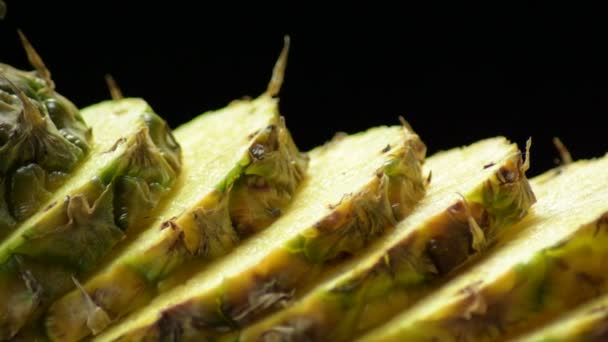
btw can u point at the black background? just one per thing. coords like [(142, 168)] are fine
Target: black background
[(456, 73)]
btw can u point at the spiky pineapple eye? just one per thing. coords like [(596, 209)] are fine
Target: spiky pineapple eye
[(506, 175)]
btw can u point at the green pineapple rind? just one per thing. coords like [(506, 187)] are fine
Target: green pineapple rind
[(589, 323), (69, 237), (358, 302), (43, 138), (264, 180), (353, 222), (539, 288)]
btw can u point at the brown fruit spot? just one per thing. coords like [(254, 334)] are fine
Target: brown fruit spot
[(48, 207), (506, 176), (170, 223), (116, 144)]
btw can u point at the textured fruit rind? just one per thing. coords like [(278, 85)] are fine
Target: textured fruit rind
[(43, 138), (265, 179), (354, 221), (358, 302), (70, 236), (534, 291), (588, 323)]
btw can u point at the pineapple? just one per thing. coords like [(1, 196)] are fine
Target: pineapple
[(585, 324), (236, 180), (357, 187), (43, 138), (442, 233), (132, 165), (550, 262)]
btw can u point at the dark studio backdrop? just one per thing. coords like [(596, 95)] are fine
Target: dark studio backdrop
[(457, 73)]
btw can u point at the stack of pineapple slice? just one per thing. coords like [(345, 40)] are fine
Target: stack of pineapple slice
[(234, 182), (552, 261), (96, 201), (461, 214), (114, 228)]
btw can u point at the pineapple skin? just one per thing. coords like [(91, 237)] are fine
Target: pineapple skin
[(43, 138), (354, 222), (249, 198), (530, 294), (407, 270), (71, 236), (585, 324)]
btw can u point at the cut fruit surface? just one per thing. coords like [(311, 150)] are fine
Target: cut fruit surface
[(133, 163), (550, 262), (484, 182), (236, 180), (357, 187), (588, 323)]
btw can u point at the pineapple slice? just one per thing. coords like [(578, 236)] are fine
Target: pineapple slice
[(132, 165), (237, 178), (357, 187), (442, 233), (43, 138), (585, 324), (551, 261)]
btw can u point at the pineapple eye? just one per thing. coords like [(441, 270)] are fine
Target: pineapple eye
[(257, 151)]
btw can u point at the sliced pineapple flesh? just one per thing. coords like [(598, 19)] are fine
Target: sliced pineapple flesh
[(252, 160), (133, 164), (585, 324), (547, 264), (357, 187), (484, 182)]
